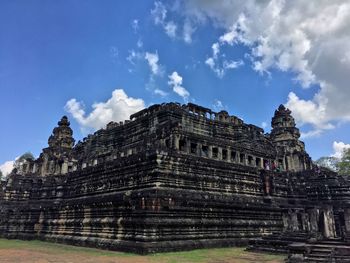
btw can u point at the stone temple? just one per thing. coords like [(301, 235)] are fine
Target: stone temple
[(178, 177)]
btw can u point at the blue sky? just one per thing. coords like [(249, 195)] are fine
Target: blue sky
[(97, 61)]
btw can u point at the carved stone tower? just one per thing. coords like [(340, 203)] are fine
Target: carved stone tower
[(56, 159), (61, 139), (284, 134)]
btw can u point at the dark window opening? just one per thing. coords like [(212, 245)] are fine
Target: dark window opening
[(205, 150), (224, 154), (258, 162), (182, 145), (280, 164), (250, 160), (167, 143), (193, 147), (215, 152), (241, 158), (233, 156)]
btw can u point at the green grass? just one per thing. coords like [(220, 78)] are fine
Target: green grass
[(213, 255), (193, 256), (50, 247)]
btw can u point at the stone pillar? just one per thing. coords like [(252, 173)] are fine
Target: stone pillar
[(329, 225), (188, 146), (64, 168), (294, 221), (176, 142), (347, 219), (219, 153), (313, 220), (229, 154), (210, 151), (34, 168), (199, 149)]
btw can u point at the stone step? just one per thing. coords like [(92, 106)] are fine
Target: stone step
[(311, 259)]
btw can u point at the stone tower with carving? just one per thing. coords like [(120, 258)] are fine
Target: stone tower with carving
[(285, 135), (56, 159)]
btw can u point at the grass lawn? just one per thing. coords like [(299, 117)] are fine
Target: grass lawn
[(39, 251)]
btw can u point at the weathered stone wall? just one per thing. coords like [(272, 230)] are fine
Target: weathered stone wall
[(174, 177)]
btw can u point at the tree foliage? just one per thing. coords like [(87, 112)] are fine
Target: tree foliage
[(343, 166), (328, 162), (1, 175)]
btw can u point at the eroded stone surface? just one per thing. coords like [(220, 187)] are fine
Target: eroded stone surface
[(174, 177)]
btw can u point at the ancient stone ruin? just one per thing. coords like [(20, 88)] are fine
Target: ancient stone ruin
[(178, 177)]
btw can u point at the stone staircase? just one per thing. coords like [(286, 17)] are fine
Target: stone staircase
[(333, 251), (277, 242), (327, 251)]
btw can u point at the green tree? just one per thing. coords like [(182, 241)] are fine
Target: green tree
[(343, 166), (1, 175), (328, 162)]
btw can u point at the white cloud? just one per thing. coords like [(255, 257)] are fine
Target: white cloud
[(188, 30), (159, 13), (264, 124), (214, 63), (338, 148), (139, 43), (307, 38), (134, 56), (170, 29), (218, 105), (7, 167), (117, 108), (160, 92), (175, 80), (135, 25), (309, 112), (160, 18), (152, 59)]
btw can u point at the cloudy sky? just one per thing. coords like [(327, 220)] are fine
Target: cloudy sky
[(97, 61)]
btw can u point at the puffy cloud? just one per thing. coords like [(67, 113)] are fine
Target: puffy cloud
[(7, 167), (339, 148), (188, 30), (307, 38), (170, 29), (160, 92), (214, 63), (117, 108), (152, 59), (218, 105), (175, 80), (159, 13)]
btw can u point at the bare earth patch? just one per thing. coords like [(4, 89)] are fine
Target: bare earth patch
[(16, 251)]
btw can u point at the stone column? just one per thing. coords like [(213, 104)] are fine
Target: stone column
[(64, 168), (176, 142), (347, 219), (229, 154), (219, 153), (294, 221), (210, 151), (329, 225)]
